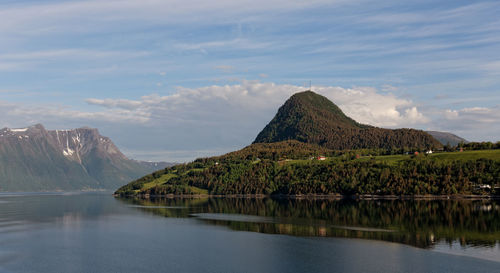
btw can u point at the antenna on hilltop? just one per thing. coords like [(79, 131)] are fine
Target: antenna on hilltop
[(305, 86)]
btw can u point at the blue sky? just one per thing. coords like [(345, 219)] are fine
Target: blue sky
[(173, 80)]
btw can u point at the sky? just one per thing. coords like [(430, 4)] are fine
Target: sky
[(174, 80)]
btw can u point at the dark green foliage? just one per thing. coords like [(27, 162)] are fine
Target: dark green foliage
[(479, 145), (271, 172), (312, 118)]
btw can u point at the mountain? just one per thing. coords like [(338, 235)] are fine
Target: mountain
[(36, 159), (447, 138), (312, 118), (312, 147)]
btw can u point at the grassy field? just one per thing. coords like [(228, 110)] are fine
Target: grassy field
[(394, 159), (158, 181), (445, 156), (469, 155), (166, 177)]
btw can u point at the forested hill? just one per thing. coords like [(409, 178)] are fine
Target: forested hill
[(295, 168), (312, 118)]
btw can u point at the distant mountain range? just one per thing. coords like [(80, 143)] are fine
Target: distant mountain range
[(36, 159), (312, 118), (447, 138)]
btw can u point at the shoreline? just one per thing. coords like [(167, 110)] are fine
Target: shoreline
[(320, 196)]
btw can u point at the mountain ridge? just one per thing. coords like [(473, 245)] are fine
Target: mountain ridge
[(447, 138), (36, 159)]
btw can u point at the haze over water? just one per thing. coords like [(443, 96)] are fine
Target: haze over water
[(98, 233)]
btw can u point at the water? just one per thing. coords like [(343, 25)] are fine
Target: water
[(99, 233)]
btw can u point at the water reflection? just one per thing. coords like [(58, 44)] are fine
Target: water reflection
[(29, 211), (419, 223)]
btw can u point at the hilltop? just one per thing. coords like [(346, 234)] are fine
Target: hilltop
[(312, 118)]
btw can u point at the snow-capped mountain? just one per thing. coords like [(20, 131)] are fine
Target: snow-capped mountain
[(36, 159)]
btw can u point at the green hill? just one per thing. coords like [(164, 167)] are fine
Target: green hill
[(311, 147), (292, 168), (312, 118)]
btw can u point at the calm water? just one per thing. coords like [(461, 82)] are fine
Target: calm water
[(98, 233)]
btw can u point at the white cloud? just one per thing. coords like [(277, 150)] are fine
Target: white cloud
[(64, 53), (233, 43), (14, 66), (472, 123), (368, 105), (225, 68), (254, 103), (250, 102), (473, 117), (115, 103), (492, 68), (30, 114)]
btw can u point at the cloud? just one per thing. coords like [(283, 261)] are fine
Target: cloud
[(492, 68), (368, 105), (74, 52), (473, 117), (233, 113), (253, 102), (31, 114), (238, 43), (472, 123), (225, 68), (115, 103), (42, 18), (14, 66)]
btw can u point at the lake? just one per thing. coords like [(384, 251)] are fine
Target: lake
[(101, 233)]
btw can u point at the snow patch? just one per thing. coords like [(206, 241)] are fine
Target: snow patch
[(68, 152), (19, 130)]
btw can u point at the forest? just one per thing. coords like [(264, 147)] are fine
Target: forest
[(292, 168)]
